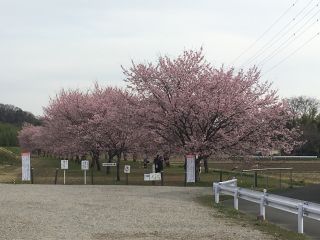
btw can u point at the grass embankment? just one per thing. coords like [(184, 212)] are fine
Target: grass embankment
[(9, 164), (249, 220)]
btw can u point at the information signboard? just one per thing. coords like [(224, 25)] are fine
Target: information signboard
[(146, 177), (191, 168), (152, 177), (112, 164), (84, 165), (26, 166), (126, 169), (64, 164)]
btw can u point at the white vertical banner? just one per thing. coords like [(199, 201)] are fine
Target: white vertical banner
[(26, 166), (191, 168)]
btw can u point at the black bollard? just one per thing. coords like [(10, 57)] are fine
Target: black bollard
[(162, 178), (56, 176), (31, 175)]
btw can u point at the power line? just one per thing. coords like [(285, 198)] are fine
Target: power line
[(264, 33), (276, 37), (286, 43), (291, 54)]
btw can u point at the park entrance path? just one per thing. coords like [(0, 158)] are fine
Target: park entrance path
[(112, 212)]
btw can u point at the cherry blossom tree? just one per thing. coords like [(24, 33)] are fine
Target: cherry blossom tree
[(67, 121), (204, 110), (29, 137), (98, 120), (115, 121)]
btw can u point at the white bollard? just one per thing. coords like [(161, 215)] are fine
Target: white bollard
[(235, 199), (216, 193), (262, 205), (300, 218)]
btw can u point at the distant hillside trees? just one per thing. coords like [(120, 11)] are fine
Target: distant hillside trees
[(306, 116), (11, 120), (16, 116), (8, 135)]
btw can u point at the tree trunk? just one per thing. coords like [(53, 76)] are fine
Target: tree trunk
[(197, 166), (166, 159), (125, 156), (95, 160), (134, 157), (205, 163), (78, 159), (118, 167)]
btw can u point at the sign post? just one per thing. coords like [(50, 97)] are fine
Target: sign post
[(127, 171), (85, 167), (64, 167), (110, 164), (26, 166)]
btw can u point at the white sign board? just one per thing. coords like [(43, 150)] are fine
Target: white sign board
[(26, 166), (85, 165), (157, 176), (112, 164), (191, 168), (146, 177), (152, 177), (64, 164), (126, 169)]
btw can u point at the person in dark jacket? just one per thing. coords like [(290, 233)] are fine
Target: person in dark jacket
[(158, 163)]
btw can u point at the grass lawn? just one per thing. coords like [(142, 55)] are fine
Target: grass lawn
[(44, 171)]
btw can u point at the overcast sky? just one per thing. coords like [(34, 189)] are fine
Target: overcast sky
[(48, 45)]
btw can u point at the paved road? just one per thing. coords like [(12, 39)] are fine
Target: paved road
[(284, 219), (310, 193)]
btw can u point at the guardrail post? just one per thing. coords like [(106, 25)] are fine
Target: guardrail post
[(235, 199), (262, 205), (235, 183), (300, 218)]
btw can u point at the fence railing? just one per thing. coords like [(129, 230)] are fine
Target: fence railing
[(300, 208)]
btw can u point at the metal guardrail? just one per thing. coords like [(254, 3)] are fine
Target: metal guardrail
[(284, 157), (291, 205)]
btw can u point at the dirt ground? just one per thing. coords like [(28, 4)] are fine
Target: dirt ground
[(112, 212)]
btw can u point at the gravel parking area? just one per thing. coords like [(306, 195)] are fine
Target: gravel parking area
[(112, 212)]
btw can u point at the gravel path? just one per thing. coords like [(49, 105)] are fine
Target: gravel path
[(112, 212)]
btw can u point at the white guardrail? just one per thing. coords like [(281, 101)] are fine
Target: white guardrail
[(299, 207)]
